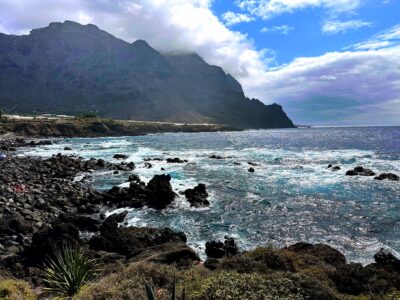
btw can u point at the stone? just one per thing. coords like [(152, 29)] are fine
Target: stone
[(360, 171), (120, 156), (159, 192), (218, 249), (176, 160), (386, 258), (197, 196), (387, 176), (131, 241)]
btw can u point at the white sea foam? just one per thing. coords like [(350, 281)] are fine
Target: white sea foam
[(291, 197)]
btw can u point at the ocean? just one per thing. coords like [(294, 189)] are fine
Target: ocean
[(292, 196)]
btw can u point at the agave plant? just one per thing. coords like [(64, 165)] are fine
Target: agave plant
[(68, 270), (151, 296)]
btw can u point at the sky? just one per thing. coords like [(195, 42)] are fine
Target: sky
[(327, 62)]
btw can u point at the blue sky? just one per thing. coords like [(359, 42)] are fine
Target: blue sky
[(306, 36), (327, 62)]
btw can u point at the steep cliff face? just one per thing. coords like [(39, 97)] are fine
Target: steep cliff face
[(71, 68)]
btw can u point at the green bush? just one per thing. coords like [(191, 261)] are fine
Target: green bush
[(128, 284), (232, 285), (16, 290), (68, 271), (263, 260)]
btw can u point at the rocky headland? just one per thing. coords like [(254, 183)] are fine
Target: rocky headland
[(96, 127)]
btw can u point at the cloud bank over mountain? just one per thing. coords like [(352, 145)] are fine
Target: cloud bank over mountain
[(357, 85)]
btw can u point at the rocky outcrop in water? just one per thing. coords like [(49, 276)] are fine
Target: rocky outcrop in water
[(131, 241), (197, 196), (176, 160), (360, 171), (387, 176), (120, 156), (157, 194)]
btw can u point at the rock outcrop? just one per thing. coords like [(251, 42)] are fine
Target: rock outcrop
[(360, 171), (157, 194), (218, 249), (387, 176), (197, 196)]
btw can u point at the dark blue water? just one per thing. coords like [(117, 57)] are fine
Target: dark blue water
[(291, 197)]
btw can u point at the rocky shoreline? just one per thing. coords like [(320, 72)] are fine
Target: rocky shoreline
[(96, 127), (42, 208)]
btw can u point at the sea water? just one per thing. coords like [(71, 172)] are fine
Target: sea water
[(292, 196)]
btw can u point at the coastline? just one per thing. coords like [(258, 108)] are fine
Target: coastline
[(46, 217), (96, 127)]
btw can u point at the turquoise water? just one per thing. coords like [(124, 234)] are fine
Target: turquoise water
[(291, 197)]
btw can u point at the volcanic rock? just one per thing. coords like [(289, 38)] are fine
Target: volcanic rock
[(197, 196), (360, 171)]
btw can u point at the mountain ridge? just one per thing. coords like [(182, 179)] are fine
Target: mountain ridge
[(71, 68)]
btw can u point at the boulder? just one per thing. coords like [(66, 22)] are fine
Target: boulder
[(169, 253), (197, 196), (120, 156), (176, 160), (386, 258), (360, 171), (131, 241), (251, 170), (159, 192), (218, 249), (51, 239), (134, 178), (387, 176), (215, 249), (335, 168), (67, 149), (148, 165), (14, 224)]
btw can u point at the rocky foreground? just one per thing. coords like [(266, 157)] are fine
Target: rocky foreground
[(42, 208)]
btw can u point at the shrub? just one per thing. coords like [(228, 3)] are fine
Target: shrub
[(232, 285), (128, 284), (263, 260), (68, 271), (16, 290), (151, 295)]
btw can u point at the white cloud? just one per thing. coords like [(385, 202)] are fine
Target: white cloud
[(283, 29), (337, 26), (365, 81), (270, 8), (337, 88), (385, 39), (168, 25), (232, 18)]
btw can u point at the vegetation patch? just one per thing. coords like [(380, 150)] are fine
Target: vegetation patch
[(11, 289)]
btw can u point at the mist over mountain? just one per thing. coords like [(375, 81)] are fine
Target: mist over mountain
[(70, 68)]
